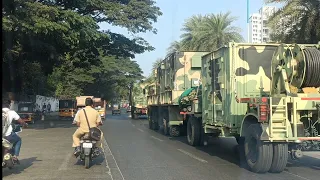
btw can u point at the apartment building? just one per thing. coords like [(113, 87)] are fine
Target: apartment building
[(258, 30)]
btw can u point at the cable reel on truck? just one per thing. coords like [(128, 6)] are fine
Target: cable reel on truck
[(295, 67)]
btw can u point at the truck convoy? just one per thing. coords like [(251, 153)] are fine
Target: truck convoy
[(265, 95), (139, 100), (98, 103)]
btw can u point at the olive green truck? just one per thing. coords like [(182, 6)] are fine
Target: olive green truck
[(265, 95)]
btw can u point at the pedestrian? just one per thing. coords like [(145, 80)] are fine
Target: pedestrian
[(49, 108)]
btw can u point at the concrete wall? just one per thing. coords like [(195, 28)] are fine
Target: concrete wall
[(41, 100)]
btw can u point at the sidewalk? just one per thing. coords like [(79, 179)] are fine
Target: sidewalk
[(47, 154)]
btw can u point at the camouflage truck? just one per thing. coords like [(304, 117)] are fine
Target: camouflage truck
[(265, 95), (176, 73), (139, 100)]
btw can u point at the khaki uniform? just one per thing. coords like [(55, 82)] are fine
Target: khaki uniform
[(93, 118)]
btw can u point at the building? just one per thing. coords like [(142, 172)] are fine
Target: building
[(258, 30)]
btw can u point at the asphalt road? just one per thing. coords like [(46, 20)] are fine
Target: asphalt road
[(134, 152)]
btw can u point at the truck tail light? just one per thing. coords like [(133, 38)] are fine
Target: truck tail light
[(263, 112)]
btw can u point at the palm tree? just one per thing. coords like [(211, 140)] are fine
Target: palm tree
[(174, 46), (210, 32), (297, 21), (191, 28)]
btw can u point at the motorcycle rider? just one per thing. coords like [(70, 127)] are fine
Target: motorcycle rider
[(9, 133), (80, 119)]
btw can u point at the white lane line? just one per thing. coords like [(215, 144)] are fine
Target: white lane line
[(193, 156), (132, 124), (156, 138), (140, 130), (65, 163), (296, 175), (107, 151)]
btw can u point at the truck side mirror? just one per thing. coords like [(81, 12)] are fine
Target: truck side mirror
[(144, 91)]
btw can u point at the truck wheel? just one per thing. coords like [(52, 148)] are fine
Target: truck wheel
[(155, 126), (165, 127), (174, 131), (150, 122), (258, 154), (280, 157), (193, 131)]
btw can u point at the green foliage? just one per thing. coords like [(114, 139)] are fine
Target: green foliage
[(207, 33), (64, 50), (298, 21)]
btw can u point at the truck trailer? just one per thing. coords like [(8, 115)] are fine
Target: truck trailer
[(139, 100), (176, 73), (267, 96)]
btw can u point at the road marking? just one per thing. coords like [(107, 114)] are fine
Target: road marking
[(156, 138), (132, 124), (140, 130), (65, 163), (107, 151), (193, 156), (296, 175)]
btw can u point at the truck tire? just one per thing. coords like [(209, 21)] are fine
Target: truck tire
[(174, 131), (280, 157), (150, 122), (258, 153), (193, 131), (165, 127), (155, 125)]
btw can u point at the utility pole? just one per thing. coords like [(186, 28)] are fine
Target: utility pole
[(248, 27)]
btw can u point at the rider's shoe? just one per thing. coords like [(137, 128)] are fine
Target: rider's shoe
[(77, 151), (15, 160)]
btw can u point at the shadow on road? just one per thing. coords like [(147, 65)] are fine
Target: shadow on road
[(94, 162), (223, 148), (17, 169), (305, 161), (229, 150)]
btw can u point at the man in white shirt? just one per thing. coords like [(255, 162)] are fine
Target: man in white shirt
[(9, 133)]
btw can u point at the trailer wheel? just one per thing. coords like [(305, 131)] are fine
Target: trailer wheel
[(280, 157), (174, 131), (150, 121), (193, 131), (165, 127), (258, 154), (155, 125)]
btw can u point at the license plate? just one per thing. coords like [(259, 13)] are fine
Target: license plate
[(87, 145)]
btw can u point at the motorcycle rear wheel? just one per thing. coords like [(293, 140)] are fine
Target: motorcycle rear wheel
[(87, 162)]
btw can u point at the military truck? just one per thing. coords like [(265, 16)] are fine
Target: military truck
[(139, 100), (265, 95), (176, 73)]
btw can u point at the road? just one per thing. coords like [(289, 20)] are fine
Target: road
[(134, 152)]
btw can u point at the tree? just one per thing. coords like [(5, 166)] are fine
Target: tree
[(174, 47), (209, 32), (62, 40), (152, 76), (298, 21)]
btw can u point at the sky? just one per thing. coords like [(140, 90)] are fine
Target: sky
[(175, 12)]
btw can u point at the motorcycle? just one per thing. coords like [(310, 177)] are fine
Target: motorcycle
[(7, 149), (88, 150), (7, 160)]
